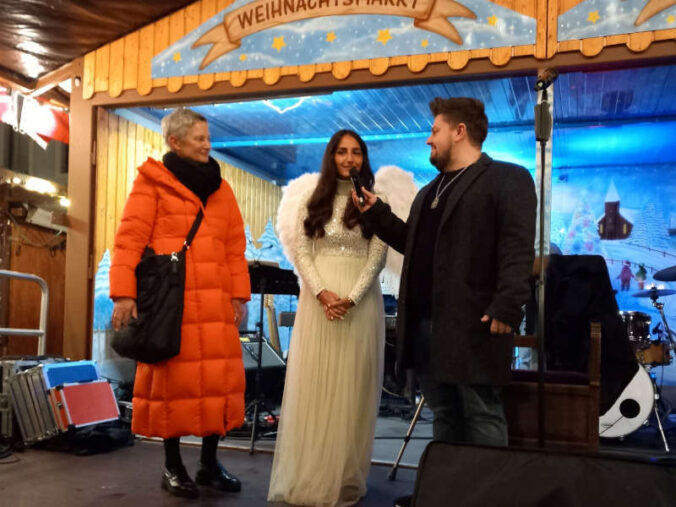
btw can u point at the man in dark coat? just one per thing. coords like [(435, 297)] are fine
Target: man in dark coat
[(468, 248)]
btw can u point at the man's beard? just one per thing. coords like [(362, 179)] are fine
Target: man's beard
[(440, 160)]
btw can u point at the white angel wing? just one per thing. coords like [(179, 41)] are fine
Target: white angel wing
[(294, 195), (398, 188)]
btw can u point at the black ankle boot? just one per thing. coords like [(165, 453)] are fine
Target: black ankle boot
[(218, 477), (177, 482)]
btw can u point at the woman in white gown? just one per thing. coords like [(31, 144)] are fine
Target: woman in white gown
[(334, 371)]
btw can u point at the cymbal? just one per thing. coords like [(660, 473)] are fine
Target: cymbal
[(666, 274), (653, 293)]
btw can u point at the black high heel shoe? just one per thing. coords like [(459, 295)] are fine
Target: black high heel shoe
[(218, 477), (178, 483)]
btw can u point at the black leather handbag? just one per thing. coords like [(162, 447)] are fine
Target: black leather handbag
[(160, 285)]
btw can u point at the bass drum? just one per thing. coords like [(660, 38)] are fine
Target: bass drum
[(631, 409)]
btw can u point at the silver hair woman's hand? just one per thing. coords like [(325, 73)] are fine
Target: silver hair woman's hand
[(123, 310), (239, 306)]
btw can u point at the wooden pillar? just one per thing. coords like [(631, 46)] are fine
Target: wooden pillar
[(5, 254), (79, 262)]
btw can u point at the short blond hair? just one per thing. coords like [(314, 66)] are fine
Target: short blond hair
[(178, 122)]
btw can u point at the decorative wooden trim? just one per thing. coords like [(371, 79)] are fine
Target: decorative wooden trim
[(208, 10), (637, 42), (116, 68), (131, 57), (552, 20), (146, 43), (176, 31), (500, 56), (541, 18), (101, 81), (160, 42), (457, 60)]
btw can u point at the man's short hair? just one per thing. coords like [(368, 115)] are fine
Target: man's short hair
[(465, 110)]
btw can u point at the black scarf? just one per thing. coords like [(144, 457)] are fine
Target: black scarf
[(201, 179)]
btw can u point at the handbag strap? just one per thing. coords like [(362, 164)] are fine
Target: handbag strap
[(193, 230)]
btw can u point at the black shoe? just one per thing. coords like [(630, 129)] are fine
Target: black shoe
[(218, 477), (178, 483), (404, 501)]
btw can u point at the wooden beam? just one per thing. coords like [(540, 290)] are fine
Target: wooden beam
[(15, 81), (56, 97), (52, 79), (79, 290)]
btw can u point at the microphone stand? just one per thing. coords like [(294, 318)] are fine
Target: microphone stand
[(543, 129)]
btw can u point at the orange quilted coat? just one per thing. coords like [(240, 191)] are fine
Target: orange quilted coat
[(200, 391)]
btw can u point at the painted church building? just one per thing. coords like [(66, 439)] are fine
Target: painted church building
[(612, 225)]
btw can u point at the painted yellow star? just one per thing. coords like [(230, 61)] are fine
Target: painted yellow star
[(278, 43), (177, 57), (242, 57), (384, 36), (671, 19), (493, 20), (331, 36), (424, 43), (593, 16)]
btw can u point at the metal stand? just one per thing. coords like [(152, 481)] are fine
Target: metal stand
[(657, 397), (257, 401), (660, 308), (266, 276), (543, 131), (393, 472)]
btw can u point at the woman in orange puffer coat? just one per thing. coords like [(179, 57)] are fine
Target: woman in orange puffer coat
[(201, 390)]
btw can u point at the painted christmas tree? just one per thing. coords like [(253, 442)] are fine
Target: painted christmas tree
[(251, 252), (651, 228), (103, 305), (583, 236), (558, 229), (270, 250)]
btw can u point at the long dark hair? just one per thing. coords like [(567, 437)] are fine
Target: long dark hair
[(320, 205)]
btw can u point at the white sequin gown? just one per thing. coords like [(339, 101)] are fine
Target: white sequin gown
[(334, 369)]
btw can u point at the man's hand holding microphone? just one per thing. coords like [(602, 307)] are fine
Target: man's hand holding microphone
[(362, 198)]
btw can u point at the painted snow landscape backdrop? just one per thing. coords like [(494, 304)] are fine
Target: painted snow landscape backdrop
[(627, 215)]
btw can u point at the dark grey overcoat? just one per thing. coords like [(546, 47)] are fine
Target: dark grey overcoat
[(483, 257)]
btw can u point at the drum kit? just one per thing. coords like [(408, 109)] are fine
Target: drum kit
[(650, 353)]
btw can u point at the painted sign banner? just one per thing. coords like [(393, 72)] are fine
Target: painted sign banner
[(252, 34), (596, 18), (431, 15)]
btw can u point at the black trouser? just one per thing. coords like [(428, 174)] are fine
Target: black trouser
[(462, 413)]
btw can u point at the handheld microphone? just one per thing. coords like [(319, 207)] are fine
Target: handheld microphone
[(354, 176)]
